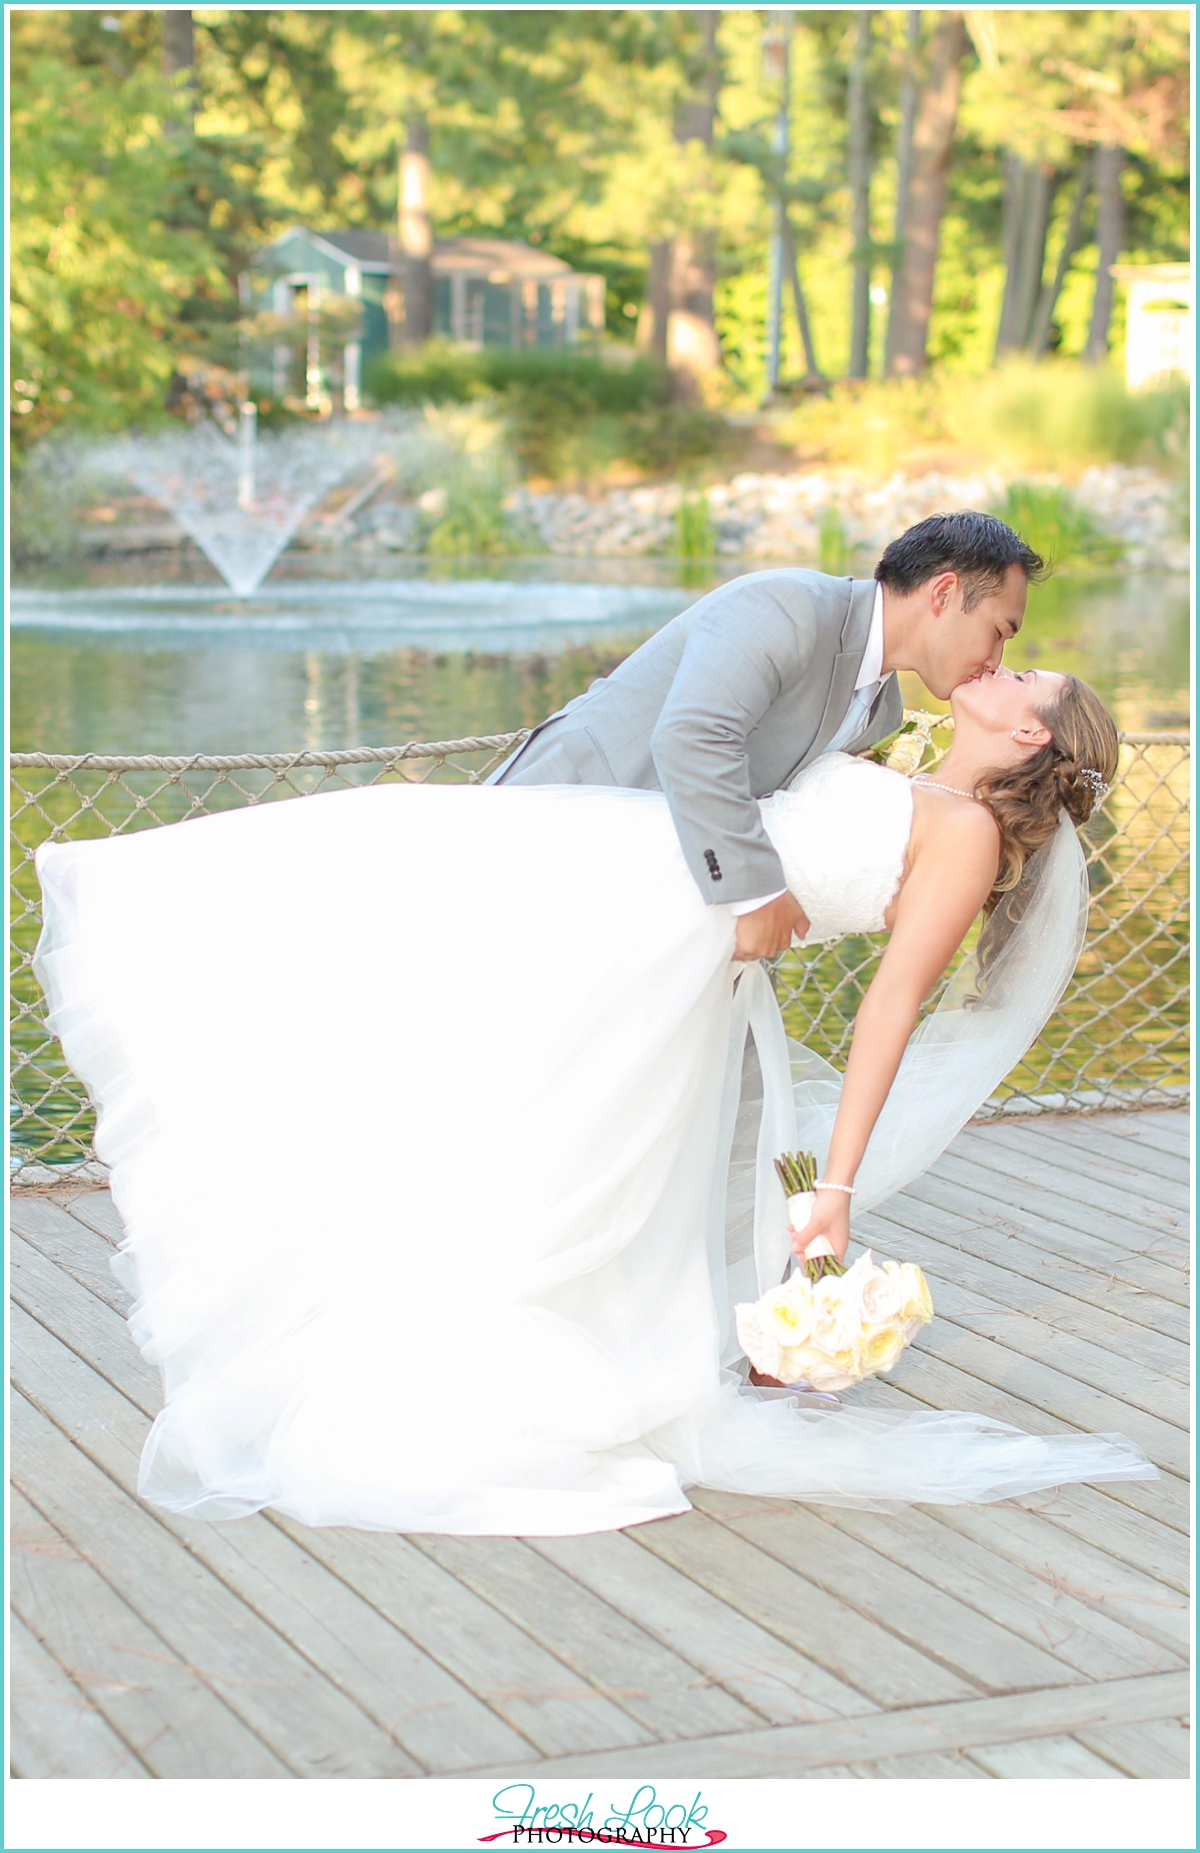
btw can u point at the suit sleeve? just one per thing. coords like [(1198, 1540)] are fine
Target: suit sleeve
[(742, 652)]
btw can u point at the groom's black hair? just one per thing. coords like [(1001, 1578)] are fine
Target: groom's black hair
[(979, 548)]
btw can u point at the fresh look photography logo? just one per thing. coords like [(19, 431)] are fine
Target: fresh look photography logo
[(647, 1820)]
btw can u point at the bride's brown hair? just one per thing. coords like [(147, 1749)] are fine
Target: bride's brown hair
[(1068, 774)]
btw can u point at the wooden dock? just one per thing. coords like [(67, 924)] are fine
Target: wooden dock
[(1043, 1637)]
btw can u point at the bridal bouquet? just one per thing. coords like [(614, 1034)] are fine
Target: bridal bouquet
[(828, 1325)]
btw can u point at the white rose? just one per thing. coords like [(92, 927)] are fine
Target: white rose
[(787, 1312), (880, 1350), (763, 1351), (834, 1374), (881, 1298), (916, 1301), (836, 1321)]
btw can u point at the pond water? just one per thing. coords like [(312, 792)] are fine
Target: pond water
[(407, 651)]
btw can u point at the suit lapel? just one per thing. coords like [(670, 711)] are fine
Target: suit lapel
[(856, 628)]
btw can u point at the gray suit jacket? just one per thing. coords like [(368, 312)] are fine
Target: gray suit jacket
[(724, 705)]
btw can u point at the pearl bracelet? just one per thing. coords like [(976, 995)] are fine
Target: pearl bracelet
[(822, 1185)]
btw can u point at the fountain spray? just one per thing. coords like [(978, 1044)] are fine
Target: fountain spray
[(247, 453)]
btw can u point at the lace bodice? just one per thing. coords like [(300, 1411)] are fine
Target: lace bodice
[(841, 832)]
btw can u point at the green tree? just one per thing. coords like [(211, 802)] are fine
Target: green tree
[(104, 274)]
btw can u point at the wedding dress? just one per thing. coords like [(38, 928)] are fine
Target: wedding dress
[(424, 1111)]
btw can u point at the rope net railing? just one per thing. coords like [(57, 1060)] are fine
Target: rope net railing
[(1118, 1040)]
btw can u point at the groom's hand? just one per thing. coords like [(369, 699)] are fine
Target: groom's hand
[(769, 929)]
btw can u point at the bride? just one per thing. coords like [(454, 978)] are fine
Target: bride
[(432, 1225)]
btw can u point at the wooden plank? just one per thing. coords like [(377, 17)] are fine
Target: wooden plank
[(427, 1715), (796, 1749), (1118, 1530), (1082, 1172), (1168, 1128), (851, 1646), (1124, 1224), (413, 1699), (78, 1251), (1096, 1645), (953, 1767), (938, 1384), (1038, 1335), (981, 1233), (781, 1685), (1046, 1758), (1134, 1597), (1159, 1750), (158, 1706), (53, 1731), (1053, 1391), (95, 1331), (1042, 1300), (95, 1210), (1166, 1500), (523, 1683), (663, 1692), (954, 1184), (1133, 1154), (309, 1725), (884, 1590)]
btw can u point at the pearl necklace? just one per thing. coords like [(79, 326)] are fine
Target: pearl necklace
[(919, 778)]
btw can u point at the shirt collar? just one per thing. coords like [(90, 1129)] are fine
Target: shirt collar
[(871, 670)]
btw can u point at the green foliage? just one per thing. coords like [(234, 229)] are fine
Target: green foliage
[(695, 529), (569, 415), (569, 128), (1050, 415), (833, 545), (1059, 416), (1051, 521)]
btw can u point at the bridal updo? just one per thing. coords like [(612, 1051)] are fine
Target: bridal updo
[(1070, 773)]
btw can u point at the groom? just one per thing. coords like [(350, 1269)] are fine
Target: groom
[(746, 687)]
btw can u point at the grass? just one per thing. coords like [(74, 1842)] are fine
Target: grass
[(695, 529), (1023, 416), (1050, 520)]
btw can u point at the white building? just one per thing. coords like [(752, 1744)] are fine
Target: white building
[(1158, 322)]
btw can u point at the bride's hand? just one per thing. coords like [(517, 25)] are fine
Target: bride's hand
[(830, 1218)]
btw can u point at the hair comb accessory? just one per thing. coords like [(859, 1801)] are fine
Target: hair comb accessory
[(1095, 783)]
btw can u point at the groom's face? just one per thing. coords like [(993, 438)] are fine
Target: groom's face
[(965, 644)]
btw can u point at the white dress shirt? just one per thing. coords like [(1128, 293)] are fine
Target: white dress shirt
[(870, 681)]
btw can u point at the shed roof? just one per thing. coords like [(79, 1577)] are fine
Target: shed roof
[(501, 259)]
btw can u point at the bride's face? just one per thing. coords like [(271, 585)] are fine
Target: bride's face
[(1004, 703)]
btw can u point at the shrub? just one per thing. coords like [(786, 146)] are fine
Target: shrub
[(569, 413)]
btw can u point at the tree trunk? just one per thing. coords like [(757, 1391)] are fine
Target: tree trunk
[(179, 54), (692, 348), (1110, 237), (812, 373), (416, 234), (858, 115), (692, 345), (933, 140), (1028, 197), (904, 139), (656, 305), (1043, 321), (1008, 334)]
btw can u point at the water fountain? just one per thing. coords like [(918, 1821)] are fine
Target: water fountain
[(242, 498)]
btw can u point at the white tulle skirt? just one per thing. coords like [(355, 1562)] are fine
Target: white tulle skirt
[(420, 1104)]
